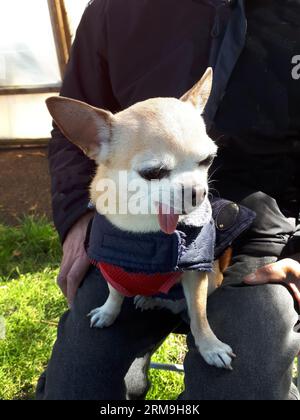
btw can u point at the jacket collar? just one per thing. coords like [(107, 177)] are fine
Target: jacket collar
[(188, 248)]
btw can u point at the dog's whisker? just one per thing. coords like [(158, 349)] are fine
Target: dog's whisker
[(213, 190), (214, 171), (219, 138), (154, 179)]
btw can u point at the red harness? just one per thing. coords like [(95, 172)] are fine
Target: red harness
[(132, 284)]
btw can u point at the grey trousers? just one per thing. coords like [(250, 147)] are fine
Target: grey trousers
[(111, 364)]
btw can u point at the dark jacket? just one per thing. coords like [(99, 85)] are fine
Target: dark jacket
[(128, 51), (125, 52)]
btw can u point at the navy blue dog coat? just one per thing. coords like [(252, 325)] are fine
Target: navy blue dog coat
[(151, 263), (148, 264)]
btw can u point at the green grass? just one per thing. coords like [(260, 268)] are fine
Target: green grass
[(30, 307), (28, 248), (168, 385)]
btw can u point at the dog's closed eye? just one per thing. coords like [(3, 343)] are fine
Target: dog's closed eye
[(154, 173), (208, 161)]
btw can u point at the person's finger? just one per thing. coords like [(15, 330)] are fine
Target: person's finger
[(65, 267), (62, 283), (76, 275), (295, 287), (293, 277), (69, 257), (284, 271), (280, 271), (269, 273)]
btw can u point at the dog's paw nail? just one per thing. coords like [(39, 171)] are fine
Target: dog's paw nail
[(100, 318), (218, 354)]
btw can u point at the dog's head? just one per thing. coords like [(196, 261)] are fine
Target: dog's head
[(152, 158)]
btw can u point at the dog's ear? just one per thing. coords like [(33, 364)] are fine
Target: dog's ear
[(87, 127), (200, 93)]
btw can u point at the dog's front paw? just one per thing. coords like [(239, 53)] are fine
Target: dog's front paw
[(100, 318), (217, 354), (144, 303)]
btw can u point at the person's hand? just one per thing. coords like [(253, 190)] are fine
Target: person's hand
[(283, 271), (75, 261)]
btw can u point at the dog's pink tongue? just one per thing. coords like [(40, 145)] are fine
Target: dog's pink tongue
[(168, 220)]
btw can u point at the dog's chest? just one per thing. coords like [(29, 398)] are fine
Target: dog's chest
[(149, 264)]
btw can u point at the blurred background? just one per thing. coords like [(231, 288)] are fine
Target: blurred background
[(35, 41)]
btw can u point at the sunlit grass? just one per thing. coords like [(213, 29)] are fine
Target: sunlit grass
[(28, 248), (31, 304)]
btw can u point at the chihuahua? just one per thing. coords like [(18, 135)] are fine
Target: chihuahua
[(162, 140)]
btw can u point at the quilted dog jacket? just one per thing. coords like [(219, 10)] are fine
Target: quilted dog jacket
[(151, 263)]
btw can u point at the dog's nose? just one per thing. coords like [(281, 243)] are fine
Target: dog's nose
[(192, 196)]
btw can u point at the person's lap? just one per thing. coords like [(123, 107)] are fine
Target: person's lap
[(257, 322), (89, 363), (94, 364)]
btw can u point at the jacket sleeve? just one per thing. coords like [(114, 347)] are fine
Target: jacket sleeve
[(86, 79)]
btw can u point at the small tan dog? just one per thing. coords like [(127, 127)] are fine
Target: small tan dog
[(159, 139)]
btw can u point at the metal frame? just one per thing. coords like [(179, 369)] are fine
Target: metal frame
[(17, 90), (61, 32), (167, 366), (63, 41), (23, 143)]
